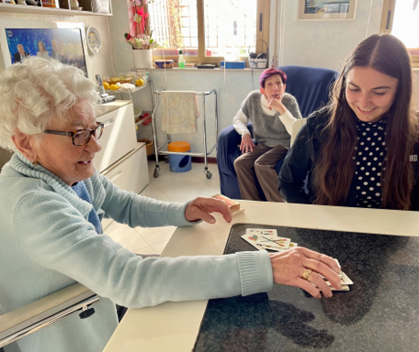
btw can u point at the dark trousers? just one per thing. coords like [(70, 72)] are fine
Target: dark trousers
[(262, 162)]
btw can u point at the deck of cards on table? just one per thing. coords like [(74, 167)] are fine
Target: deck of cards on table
[(268, 239), (232, 204)]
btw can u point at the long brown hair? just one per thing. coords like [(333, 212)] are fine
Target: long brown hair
[(43, 45), (335, 168)]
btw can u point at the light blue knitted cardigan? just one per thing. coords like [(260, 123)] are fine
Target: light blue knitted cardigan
[(48, 244)]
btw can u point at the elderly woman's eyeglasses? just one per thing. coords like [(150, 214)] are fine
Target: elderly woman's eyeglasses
[(81, 137)]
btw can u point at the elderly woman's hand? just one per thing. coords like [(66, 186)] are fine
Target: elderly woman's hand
[(289, 268), (276, 104), (200, 209), (247, 144)]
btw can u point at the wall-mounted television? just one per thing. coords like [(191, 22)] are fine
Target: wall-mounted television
[(62, 44)]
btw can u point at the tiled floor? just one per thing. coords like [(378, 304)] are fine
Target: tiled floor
[(170, 187)]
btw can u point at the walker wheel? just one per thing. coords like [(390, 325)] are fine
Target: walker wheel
[(156, 173), (208, 174)]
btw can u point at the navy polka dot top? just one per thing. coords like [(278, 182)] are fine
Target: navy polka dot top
[(369, 158)]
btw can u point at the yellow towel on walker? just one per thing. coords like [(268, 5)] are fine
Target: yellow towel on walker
[(180, 111)]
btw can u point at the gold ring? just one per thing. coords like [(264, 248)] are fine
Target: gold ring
[(306, 274)]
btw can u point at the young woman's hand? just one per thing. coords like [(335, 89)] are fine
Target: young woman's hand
[(200, 209), (289, 268), (247, 144)]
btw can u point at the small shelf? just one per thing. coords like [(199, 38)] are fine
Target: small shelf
[(47, 10), (140, 123), (126, 91)]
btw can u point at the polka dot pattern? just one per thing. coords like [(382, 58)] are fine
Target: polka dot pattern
[(369, 157)]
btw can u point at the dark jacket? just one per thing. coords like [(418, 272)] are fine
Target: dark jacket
[(302, 158), (16, 56)]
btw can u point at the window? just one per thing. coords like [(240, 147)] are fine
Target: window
[(401, 18), (209, 30)]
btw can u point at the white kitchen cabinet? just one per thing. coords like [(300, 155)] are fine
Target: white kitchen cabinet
[(122, 159), (119, 136), (131, 172)]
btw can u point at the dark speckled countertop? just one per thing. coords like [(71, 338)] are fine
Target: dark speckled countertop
[(379, 313)]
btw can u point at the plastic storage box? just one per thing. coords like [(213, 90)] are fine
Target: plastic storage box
[(258, 63), (233, 64)]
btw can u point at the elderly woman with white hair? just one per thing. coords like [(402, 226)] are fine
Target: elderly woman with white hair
[(53, 199)]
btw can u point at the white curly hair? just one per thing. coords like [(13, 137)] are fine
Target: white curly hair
[(37, 91)]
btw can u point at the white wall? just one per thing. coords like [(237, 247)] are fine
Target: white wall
[(100, 63), (119, 25), (324, 43)]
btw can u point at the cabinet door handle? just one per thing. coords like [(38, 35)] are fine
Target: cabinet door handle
[(115, 176), (109, 122)]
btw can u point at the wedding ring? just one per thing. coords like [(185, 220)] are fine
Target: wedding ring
[(306, 274)]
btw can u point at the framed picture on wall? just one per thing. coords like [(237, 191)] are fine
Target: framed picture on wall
[(324, 10), (62, 44)]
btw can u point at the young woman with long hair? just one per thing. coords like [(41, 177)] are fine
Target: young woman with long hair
[(362, 149), (42, 50)]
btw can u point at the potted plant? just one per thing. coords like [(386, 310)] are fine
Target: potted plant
[(244, 56), (142, 43), (142, 49)]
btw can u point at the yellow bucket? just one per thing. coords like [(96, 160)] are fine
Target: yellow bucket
[(179, 147)]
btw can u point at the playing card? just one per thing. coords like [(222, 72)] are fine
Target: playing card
[(265, 232), (292, 245), (273, 241), (269, 238), (232, 204), (252, 241), (344, 288), (238, 212), (344, 279)]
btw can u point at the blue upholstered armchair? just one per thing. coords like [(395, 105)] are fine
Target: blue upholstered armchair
[(309, 85)]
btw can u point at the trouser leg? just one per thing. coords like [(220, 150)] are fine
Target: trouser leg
[(267, 175), (244, 166)]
